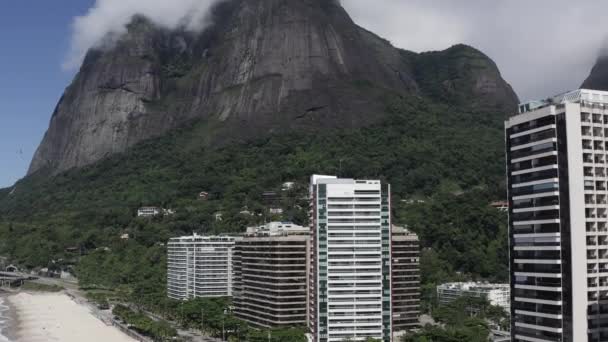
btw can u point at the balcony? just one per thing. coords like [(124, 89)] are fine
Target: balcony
[(598, 132), (590, 227), (586, 131), (586, 117)]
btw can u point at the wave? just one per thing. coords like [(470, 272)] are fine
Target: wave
[(3, 320)]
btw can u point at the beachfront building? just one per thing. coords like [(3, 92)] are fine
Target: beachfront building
[(405, 268), (350, 283), (558, 218), (200, 266), (271, 275), (496, 294)]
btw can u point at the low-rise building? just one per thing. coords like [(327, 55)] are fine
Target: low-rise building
[(500, 205), (405, 268), (496, 294), (288, 186), (148, 211), (271, 275), (154, 211), (275, 211), (200, 266)]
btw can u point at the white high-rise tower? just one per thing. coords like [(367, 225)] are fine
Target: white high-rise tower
[(350, 285)]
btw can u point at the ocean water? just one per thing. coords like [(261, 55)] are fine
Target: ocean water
[(3, 320)]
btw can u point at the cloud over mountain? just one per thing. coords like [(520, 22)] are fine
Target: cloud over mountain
[(542, 47), (107, 19)]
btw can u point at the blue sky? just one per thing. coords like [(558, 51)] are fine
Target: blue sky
[(35, 36)]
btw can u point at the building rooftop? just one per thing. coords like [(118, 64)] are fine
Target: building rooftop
[(575, 96), (403, 233), (203, 238), (278, 229)]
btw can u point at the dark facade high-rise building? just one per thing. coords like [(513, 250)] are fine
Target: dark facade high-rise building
[(558, 218), (405, 256), (271, 265)]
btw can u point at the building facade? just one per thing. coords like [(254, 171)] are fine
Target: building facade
[(200, 266), (496, 294), (405, 268), (271, 275), (350, 284), (556, 170)]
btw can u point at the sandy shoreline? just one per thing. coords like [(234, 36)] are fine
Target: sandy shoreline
[(42, 317)]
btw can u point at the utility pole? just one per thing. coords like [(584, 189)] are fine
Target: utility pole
[(224, 326), (203, 320)]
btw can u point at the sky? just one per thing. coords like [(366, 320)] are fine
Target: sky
[(542, 47)]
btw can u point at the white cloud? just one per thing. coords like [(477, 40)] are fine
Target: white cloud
[(541, 46), (110, 17)]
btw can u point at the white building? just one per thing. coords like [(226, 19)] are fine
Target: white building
[(200, 266), (154, 211), (558, 218), (148, 211), (496, 294), (275, 211), (350, 285), (288, 186)]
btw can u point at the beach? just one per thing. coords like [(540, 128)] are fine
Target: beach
[(45, 317)]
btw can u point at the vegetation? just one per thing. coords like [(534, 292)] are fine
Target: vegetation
[(141, 323), (450, 158), (465, 319), (38, 287), (213, 316)]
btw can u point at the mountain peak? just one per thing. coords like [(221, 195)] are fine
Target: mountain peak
[(264, 67), (598, 78)]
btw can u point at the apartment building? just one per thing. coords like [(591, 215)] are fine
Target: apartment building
[(405, 268), (350, 283), (496, 294), (200, 266), (556, 171), (271, 275)]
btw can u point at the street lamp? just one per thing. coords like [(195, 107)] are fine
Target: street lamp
[(224, 326)]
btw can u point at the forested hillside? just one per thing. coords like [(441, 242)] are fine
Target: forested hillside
[(450, 158)]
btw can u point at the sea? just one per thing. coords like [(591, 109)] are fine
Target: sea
[(4, 319)]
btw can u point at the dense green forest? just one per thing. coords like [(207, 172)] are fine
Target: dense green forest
[(445, 165)]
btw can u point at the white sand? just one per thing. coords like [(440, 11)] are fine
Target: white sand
[(56, 317)]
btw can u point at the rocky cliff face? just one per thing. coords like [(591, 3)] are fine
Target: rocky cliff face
[(266, 66), (598, 79)]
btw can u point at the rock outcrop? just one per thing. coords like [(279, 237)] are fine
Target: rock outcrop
[(265, 67), (598, 79)]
